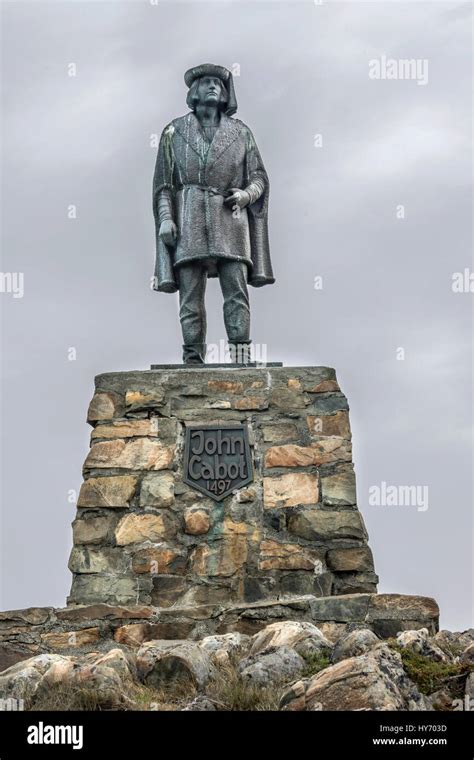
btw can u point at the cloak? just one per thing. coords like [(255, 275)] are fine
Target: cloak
[(198, 175)]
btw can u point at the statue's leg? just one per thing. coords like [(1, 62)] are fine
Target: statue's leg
[(233, 280), (192, 311)]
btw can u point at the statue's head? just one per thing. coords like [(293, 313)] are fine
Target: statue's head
[(210, 84)]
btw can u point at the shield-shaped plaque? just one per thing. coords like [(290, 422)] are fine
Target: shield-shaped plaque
[(217, 459)]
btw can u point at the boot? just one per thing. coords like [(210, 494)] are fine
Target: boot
[(194, 353)]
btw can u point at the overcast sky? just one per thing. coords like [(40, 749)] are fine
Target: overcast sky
[(387, 281)]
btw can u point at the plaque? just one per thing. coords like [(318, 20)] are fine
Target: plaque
[(217, 459)]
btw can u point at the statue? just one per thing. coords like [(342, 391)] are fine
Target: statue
[(210, 202)]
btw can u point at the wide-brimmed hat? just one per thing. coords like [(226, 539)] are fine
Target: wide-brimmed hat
[(213, 70)]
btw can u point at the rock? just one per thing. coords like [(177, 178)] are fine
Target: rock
[(341, 609), (196, 521), (114, 491), (11, 654), (227, 643), (91, 559), (71, 639), (89, 589), (272, 666), (357, 582), (278, 556), (138, 454), (218, 404), (418, 641), (104, 406), (290, 455), (290, 490), (161, 662), (453, 642), (126, 429), (167, 589), (246, 495), (200, 704), (225, 386), (325, 386), (251, 403), (134, 634), (21, 681), (92, 530), (467, 656), (159, 559), (303, 637), (279, 431), (441, 700), (372, 681), (391, 613), (396, 605), (317, 583), (332, 631), (348, 560), (339, 489), (330, 425), (354, 643), (205, 595), (136, 400), (136, 528), (108, 676), (323, 452), (287, 399), (223, 558), (103, 612), (319, 525), (157, 490), (29, 615), (328, 450)]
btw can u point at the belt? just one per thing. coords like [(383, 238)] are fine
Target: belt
[(206, 188)]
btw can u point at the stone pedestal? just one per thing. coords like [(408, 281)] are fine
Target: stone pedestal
[(154, 558), (142, 536)]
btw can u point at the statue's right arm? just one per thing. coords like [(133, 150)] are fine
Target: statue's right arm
[(163, 196), (168, 229)]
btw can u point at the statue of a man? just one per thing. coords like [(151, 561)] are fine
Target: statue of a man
[(210, 201)]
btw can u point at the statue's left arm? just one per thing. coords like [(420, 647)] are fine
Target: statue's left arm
[(256, 175), (256, 179)]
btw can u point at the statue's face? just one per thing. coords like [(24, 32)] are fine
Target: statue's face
[(209, 90)]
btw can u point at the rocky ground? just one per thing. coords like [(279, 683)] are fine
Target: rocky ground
[(289, 665)]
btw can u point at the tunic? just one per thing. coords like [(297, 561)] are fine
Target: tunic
[(192, 178)]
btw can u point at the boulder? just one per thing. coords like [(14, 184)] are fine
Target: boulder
[(21, 681), (419, 642), (453, 642), (273, 666), (303, 637), (467, 656), (162, 661), (221, 647), (106, 675), (372, 681), (354, 643)]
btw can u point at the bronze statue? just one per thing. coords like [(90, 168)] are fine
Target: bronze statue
[(210, 202)]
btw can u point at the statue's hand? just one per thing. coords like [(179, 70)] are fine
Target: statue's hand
[(239, 198), (168, 232)]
